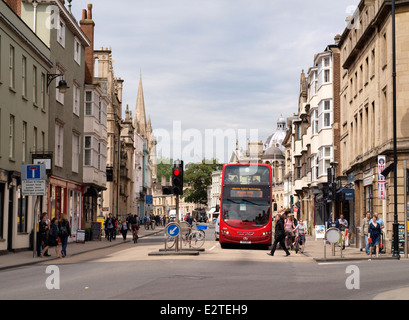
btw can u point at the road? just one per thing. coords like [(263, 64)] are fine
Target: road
[(127, 272)]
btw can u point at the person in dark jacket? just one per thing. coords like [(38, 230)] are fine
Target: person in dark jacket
[(374, 235), (65, 232), (110, 226), (42, 235), (52, 240), (279, 236)]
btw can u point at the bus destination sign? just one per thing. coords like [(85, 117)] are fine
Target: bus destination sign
[(246, 193)]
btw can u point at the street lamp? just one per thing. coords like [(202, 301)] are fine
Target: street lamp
[(62, 84), (395, 156)]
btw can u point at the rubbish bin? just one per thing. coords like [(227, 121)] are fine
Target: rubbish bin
[(358, 237)]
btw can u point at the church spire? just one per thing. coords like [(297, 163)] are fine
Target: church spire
[(140, 116)]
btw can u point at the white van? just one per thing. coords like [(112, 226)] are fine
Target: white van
[(172, 215)]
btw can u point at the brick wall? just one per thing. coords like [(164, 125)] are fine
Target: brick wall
[(15, 5)]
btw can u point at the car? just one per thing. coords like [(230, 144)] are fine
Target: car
[(217, 229)]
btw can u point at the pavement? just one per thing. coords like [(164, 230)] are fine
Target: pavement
[(314, 249), (24, 258)]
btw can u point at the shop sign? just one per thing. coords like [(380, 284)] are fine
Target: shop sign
[(381, 178)]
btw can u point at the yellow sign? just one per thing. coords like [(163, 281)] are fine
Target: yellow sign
[(101, 220)]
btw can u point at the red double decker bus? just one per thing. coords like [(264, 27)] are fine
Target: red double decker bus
[(245, 206)]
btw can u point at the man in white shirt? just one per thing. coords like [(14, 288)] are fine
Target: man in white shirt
[(343, 225)]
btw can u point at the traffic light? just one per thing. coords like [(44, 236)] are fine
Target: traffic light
[(167, 190), (177, 178)]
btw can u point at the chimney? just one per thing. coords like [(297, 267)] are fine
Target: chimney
[(337, 39), (88, 26), (15, 5)]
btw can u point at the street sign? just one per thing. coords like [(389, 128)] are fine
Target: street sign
[(33, 187), (149, 199), (33, 172), (172, 229), (33, 180)]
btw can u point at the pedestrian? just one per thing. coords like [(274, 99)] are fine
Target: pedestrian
[(374, 234), (115, 227), (135, 227), (279, 236), (65, 232), (110, 226), (42, 232), (382, 225), (289, 227), (331, 224), (343, 225), (301, 229), (128, 220), (189, 219), (365, 225), (124, 229), (52, 240)]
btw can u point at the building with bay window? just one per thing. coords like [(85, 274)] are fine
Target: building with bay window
[(312, 139)]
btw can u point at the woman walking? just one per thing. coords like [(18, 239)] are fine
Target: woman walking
[(374, 235), (52, 240), (289, 227), (124, 229), (65, 232)]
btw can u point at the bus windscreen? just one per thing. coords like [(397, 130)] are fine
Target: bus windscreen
[(247, 175)]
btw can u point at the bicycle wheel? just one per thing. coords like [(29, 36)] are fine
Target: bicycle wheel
[(297, 245), (170, 242), (197, 239)]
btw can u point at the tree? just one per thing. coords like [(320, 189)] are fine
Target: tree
[(198, 176), (164, 168)]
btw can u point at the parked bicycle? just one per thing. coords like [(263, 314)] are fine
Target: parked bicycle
[(191, 238)]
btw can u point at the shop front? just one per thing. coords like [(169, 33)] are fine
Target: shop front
[(65, 199)]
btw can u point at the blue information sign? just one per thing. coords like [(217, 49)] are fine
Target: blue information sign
[(149, 199), (172, 229)]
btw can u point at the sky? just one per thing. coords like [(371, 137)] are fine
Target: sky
[(214, 68)]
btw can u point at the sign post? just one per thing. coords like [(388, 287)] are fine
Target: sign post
[(173, 230), (33, 182)]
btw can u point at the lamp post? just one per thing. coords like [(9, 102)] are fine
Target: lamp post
[(395, 156), (62, 84)]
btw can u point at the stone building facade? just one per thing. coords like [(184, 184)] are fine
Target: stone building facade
[(366, 107)]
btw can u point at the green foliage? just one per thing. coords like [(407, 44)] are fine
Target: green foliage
[(164, 167), (198, 176)]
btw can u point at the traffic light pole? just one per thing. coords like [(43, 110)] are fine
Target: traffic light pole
[(178, 220)]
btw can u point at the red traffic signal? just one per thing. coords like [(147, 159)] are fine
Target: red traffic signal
[(177, 178)]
